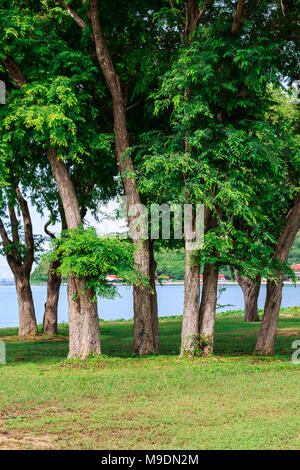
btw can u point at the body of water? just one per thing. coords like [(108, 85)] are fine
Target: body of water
[(170, 302)]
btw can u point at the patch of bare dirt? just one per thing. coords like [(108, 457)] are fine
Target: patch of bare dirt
[(33, 339), (15, 440), (288, 333)]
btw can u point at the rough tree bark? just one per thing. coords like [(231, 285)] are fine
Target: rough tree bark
[(154, 305), (267, 331), (53, 288), (84, 332), (207, 311), (51, 305), (145, 323), (21, 265), (250, 288), (27, 318), (190, 319)]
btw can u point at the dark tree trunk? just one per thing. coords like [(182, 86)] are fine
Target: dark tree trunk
[(267, 331), (250, 288), (145, 321), (190, 319), (53, 288), (27, 319), (84, 332), (207, 311)]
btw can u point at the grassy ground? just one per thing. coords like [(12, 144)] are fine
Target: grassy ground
[(230, 401)]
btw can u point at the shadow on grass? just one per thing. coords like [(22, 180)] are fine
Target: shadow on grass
[(234, 337)]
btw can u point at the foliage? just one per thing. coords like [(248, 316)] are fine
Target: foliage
[(57, 105), (40, 274), (211, 119), (294, 256), (224, 147), (170, 263), (87, 256)]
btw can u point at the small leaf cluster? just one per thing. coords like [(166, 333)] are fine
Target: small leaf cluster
[(88, 256)]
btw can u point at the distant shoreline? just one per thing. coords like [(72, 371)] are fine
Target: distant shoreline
[(163, 283)]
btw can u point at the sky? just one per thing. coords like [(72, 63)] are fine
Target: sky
[(105, 226)]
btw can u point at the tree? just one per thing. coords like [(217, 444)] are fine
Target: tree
[(52, 114), (145, 306), (20, 255), (218, 91), (266, 335), (284, 114), (250, 288), (89, 258), (93, 186)]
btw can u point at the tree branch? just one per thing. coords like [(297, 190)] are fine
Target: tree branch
[(174, 12), (73, 14), (103, 55), (29, 240), (14, 224), (5, 239), (13, 258), (134, 104), (14, 71), (50, 234), (289, 232), (282, 7), (194, 16), (239, 17), (203, 9)]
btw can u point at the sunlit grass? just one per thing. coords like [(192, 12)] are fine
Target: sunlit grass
[(233, 400)]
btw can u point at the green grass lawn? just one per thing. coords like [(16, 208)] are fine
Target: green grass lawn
[(230, 401)]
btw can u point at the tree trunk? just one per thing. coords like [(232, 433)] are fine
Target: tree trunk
[(21, 266), (154, 305), (207, 312), (84, 332), (27, 319), (145, 318), (145, 305), (250, 288), (190, 319), (53, 288), (267, 331), (190, 344)]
